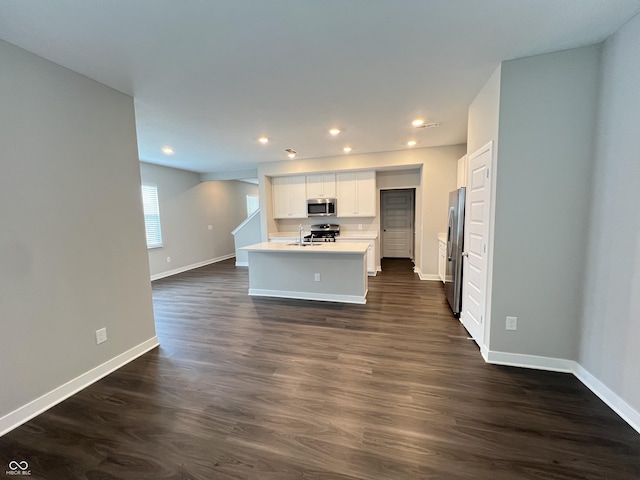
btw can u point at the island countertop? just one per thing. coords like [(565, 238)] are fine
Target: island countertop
[(318, 247)]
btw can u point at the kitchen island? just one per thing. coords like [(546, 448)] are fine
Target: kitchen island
[(326, 271)]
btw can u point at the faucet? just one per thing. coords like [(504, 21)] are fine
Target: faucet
[(300, 231)]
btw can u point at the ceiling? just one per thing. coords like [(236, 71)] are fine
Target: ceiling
[(210, 76)]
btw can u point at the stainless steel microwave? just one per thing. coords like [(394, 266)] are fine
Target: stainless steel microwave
[(321, 207)]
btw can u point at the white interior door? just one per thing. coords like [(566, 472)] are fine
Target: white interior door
[(476, 242), (396, 207)]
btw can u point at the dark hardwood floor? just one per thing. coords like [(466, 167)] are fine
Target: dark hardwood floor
[(258, 388)]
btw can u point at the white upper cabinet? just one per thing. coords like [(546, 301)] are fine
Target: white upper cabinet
[(321, 185), (356, 194), (290, 197)]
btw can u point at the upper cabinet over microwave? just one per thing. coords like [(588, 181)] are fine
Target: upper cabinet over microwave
[(321, 185)]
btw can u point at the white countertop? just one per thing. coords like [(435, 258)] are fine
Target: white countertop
[(320, 247)]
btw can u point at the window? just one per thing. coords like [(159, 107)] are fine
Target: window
[(151, 216), (252, 204)]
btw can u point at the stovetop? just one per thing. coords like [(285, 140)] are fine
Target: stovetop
[(323, 232)]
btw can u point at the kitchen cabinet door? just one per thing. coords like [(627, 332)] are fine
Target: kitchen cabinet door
[(366, 193), (442, 259), (371, 253), (356, 194), (298, 196), (321, 185), (371, 259), (289, 197)]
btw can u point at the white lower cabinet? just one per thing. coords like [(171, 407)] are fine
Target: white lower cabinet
[(442, 259), (371, 259), (371, 252)]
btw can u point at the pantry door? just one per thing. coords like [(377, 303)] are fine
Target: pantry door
[(397, 211), (476, 243)]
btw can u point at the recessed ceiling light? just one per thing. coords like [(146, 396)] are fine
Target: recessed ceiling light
[(411, 143), (347, 149), (263, 140), (418, 122), (334, 131), (291, 153), (167, 150)]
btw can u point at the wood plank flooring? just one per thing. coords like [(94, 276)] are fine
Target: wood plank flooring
[(259, 388)]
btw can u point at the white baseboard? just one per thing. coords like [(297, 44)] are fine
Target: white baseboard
[(617, 404), (36, 407), (426, 276), (186, 268), (323, 297), (529, 361), (242, 264)]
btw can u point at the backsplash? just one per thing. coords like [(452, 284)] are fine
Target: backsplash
[(346, 224)]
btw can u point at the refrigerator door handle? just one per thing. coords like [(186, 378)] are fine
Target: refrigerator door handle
[(450, 226)]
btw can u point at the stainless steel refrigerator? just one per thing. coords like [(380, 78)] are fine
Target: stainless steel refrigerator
[(455, 240)]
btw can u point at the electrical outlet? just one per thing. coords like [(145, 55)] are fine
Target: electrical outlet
[(210, 227), (359, 226), (168, 259), (317, 277), (512, 323), (101, 336)]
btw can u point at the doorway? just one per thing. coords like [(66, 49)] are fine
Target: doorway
[(397, 218)]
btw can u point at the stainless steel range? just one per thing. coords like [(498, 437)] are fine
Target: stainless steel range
[(323, 232)]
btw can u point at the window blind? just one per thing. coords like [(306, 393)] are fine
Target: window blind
[(151, 216)]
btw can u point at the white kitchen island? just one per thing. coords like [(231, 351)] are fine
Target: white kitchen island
[(332, 272)]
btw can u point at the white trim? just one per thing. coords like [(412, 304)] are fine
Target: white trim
[(323, 297), (617, 404), (530, 361), (484, 351), (245, 221), (175, 271), (36, 407), (242, 264), (426, 276)]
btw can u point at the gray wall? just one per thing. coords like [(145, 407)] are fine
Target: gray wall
[(483, 117), (187, 208), (548, 108), (611, 309), (72, 248)]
